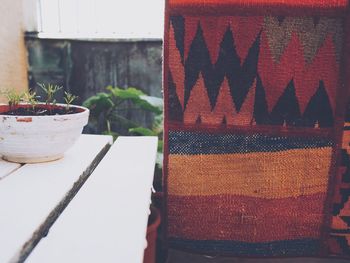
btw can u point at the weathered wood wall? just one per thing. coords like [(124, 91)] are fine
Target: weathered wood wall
[(87, 67)]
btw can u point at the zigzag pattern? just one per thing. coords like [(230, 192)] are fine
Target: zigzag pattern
[(175, 113), (228, 65), (177, 69), (178, 24), (292, 65), (312, 32), (198, 109), (288, 92), (287, 111), (245, 31)]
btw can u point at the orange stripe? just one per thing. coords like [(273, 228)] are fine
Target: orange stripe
[(280, 174), (245, 219)]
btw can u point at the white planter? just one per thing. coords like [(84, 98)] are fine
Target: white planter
[(33, 139)]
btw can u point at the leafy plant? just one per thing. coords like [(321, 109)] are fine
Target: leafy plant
[(108, 111), (13, 98), (110, 106)]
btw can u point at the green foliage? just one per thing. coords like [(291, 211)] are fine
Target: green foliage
[(99, 104), (69, 98), (143, 131), (112, 103), (108, 110), (50, 91), (13, 98), (30, 97)]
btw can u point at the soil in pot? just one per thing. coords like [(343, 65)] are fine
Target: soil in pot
[(152, 228), (42, 110)]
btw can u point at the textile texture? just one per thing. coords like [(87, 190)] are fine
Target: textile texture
[(256, 136)]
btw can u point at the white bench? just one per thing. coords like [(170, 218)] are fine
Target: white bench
[(32, 196), (7, 168), (107, 219)]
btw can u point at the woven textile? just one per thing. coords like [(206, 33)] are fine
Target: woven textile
[(255, 96)]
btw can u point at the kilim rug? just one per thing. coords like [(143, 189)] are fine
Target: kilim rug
[(256, 147)]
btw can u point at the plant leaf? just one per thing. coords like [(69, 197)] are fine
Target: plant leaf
[(125, 94), (140, 99), (99, 103), (143, 131), (154, 101), (145, 105)]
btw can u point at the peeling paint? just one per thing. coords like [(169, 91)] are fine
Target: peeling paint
[(27, 119)]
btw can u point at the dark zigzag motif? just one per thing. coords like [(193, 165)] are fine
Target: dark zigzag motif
[(178, 23), (240, 78), (319, 109), (287, 109), (175, 108)]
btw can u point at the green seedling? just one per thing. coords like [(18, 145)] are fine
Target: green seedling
[(69, 98), (13, 98), (30, 97), (32, 104), (50, 91)]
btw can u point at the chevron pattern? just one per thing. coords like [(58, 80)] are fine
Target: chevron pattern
[(287, 110), (253, 124), (254, 70), (312, 33)]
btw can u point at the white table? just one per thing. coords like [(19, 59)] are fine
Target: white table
[(88, 216)]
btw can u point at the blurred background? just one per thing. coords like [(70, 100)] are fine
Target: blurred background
[(82, 45)]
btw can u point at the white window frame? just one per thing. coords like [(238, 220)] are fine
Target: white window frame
[(95, 19)]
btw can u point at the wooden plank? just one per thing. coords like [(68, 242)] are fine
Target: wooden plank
[(106, 221), (32, 198), (7, 168)]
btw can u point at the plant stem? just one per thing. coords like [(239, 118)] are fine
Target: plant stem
[(108, 126)]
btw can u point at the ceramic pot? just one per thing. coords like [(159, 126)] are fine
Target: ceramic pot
[(33, 139)]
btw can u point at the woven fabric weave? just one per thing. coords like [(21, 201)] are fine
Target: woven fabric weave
[(254, 116)]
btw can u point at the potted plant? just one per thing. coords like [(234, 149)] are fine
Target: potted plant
[(33, 131)]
